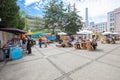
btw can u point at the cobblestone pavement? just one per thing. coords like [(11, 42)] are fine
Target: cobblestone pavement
[(53, 63)]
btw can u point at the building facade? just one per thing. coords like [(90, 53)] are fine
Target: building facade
[(117, 20), (101, 27), (110, 21), (92, 24), (34, 23), (98, 27)]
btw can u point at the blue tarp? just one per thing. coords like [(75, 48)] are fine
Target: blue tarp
[(51, 38), (16, 53)]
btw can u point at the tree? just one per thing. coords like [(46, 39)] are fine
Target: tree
[(9, 12), (26, 21), (21, 23), (53, 14), (65, 18), (72, 20)]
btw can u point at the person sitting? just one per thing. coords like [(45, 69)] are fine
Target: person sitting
[(110, 39), (70, 44), (76, 44), (83, 44), (60, 41), (88, 45)]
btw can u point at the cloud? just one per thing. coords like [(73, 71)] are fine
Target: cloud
[(37, 8), (29, 2), (97, 9)]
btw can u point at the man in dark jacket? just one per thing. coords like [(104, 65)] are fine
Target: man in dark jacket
[(29, 46)]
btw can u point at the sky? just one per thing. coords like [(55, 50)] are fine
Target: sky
[(97, 9)]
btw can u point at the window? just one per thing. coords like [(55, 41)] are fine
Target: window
[(111, 14), (111, 19), (113, 24), (110, 24), (110, 29)]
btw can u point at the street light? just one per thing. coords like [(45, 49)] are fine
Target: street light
[(0, 19)]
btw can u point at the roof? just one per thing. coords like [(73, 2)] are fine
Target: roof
[(13, 30)]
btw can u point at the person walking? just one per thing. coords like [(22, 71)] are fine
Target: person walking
[(40, 42), (45, 41), (94, 43)]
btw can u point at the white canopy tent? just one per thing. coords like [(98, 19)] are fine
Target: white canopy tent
[(85, 32), (115, 33), (107, 33), (62, 33)]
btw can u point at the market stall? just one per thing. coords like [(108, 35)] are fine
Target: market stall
[(36, 35), (108, 38), (10, 43)]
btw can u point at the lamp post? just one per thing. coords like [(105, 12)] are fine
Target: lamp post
[(0, 19)]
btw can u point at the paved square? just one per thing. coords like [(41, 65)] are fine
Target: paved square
[(111, 59), (69, 62), (53, 63), (97, 71), (31, 70)]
